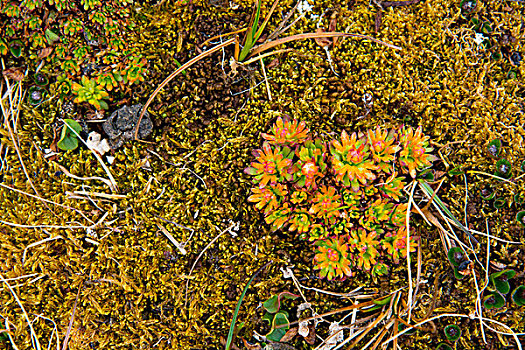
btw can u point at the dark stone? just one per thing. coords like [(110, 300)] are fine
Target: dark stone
[(120, 126)]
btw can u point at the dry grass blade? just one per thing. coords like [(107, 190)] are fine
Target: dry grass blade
[(269, 45), (65, 171), (177, 72), (71, 320), (512, 333), (10, 114), (254, 59), (367, 330), (111, 183), (222, 36), (34, 338), (48, 201)]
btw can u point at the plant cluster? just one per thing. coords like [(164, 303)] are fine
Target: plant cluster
[(499, 285), (504, 171), (497, 45), (276, 316), (344, 195), (85, 38)]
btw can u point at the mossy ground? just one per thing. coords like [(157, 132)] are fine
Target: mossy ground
[(135, 289)]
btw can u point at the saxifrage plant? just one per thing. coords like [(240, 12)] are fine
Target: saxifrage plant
[(344, 195)]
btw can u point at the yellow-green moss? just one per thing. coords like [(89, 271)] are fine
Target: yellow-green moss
[(129, 296)]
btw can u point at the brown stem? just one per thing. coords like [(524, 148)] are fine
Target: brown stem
[(177, 72)]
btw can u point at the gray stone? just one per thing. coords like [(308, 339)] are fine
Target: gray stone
[(120, 126)]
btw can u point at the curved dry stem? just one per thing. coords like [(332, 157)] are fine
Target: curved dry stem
[(177, 72), (512, 333), (269, 45)]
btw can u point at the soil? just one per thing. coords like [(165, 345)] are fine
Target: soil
[(162, 261)]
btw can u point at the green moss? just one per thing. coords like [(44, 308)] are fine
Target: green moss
[(132, 284)]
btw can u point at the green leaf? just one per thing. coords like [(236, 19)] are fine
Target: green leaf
[(268, 317), (273, 304), (457, 274), (68, 139), (456, 171), (15, 47), (494, 300), (503, 168), (518, 296), (51, 37), (494, 148), (256, 20), (276, 334), (452, 332), (383, 301), (500, 280), (455, 256), (520, 218), (103, 104), (229, 340), (443, 346)]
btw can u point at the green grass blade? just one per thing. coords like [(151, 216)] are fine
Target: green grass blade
[(257, 35), (238, 307), (430, 192), (256, 20)]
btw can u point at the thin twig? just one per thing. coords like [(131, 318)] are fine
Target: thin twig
[(198, 257), (177, 72), (66, 338), (407, 244)]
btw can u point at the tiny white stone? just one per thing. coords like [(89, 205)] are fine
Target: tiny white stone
[(287, 273), (304, 6), (96, 144), (479, 38), (110, 159), (303, 328)]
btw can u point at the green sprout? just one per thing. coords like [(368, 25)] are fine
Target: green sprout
[(520, 218), (35, 95), (277, 318), (68, 138), (452, 332), (503, 168), (40, 79), (499, 203), (494, 148), (494, 300), (443, 346), (518, 296), (487, 193), (91, 92), (459, 261), (500, 280), (15, 46)]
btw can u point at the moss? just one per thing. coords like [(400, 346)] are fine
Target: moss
[(133, 292)]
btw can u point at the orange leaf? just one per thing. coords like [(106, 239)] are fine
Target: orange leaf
[(332, 27), (45, 52), (322, 41), (292, 332)]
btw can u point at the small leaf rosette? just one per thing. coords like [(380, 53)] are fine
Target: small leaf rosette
[(452, 332), (518, 296), (494, 301)]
